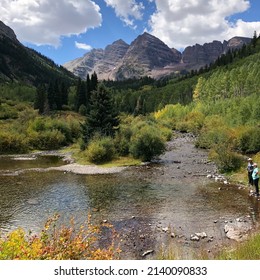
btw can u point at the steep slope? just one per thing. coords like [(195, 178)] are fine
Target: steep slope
[(145, 54), (148, 56), (103, 62), (19, 63), (199, 55)]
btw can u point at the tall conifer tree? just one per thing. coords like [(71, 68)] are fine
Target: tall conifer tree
[(102, 117)]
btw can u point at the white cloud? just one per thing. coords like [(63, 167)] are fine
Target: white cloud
[(46, 21), (83, 46), (127, 10), (181, 23)]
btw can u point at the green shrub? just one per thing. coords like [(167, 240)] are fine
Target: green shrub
[(47, 140), (12, 143), (61, 126), (7, 112), (248, 139), (193, 122), (122, 139), (214, 132), (38, 124), (100, 150), (82, 110), (48, 128), (74, 125), (147, 143), (226, 159)]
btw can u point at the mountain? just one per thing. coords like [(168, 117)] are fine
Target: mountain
[(198, 56), (148, 56), (19, 63), (103, 62), (145, 54), (6, 31)]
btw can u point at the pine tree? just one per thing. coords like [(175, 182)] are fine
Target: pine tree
[(81, 98), (51, 96), (102, 118), (64, 93), (254, 40), (94, 82), (57, 95), (40, 98)]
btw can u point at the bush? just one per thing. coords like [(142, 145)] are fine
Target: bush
[(225, 159), (83, 110), (248, 139), (122, 140), (193, 122), (45, 132), (11, 143), (215, 132), (74, 126), (61, 126), (47, 140), (100, 150), (7, 112), (147, 144), (57, 243)]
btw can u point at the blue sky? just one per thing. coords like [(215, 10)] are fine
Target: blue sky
[(66, 29)]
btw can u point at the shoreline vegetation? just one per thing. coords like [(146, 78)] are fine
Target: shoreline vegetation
[(110, 126), (248, 249)]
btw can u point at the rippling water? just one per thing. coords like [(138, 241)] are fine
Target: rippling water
[(148, 198)]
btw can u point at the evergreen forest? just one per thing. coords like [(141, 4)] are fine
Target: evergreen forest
[(105, 120)]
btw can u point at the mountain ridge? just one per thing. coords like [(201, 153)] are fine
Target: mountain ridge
[(19, 63), (149, 56)]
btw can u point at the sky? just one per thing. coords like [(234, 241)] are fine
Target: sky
[(67, 29)]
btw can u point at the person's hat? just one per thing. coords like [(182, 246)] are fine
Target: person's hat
[(255, 164), (249, 159)]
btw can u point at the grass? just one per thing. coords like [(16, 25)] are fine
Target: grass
[(80, 158), (248, 250), (240, 176)]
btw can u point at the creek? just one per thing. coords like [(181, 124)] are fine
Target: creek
[(151, 206)]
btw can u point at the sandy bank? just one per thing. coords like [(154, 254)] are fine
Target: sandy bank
[(87, 169)]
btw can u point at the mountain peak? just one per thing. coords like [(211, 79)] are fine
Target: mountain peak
[(147, 55), (6, 31), (237, 42), (120, 42)]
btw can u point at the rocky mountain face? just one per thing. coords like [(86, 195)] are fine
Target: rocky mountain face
[(103, 62), (199, 55), (145, 54), (19, 63), (6, 31), (148, 56)]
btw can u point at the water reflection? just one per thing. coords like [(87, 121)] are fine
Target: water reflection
[(143, 199)]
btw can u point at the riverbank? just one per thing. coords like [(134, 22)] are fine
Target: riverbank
[(176, 201), (185, 163)]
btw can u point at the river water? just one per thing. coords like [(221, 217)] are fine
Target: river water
[(161, 203)]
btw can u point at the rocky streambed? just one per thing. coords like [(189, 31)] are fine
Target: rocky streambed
[(177, 203), (212, 212)]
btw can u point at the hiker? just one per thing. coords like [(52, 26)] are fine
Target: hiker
[(255, 176), (250, 168)]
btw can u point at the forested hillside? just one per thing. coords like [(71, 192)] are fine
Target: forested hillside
[(21, 64), (219, 103), (225, 112)]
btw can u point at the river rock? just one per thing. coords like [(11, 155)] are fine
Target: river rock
[(201, 235), (194, 237), (148, 252), (166, 229), (32, 201), (238, 229)]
